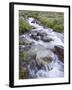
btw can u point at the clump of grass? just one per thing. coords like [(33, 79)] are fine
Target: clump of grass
[(57, 24), (23, 55), (58, 28), (24, 26)]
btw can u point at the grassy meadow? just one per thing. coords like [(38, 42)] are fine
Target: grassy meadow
[(54, 20)]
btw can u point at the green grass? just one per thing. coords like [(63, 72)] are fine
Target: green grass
[(55, 23), (58, 28), (23, 26), (54, 20), (23, 56)]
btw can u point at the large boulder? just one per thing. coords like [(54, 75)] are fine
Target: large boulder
[(44, 57), (59, 50)]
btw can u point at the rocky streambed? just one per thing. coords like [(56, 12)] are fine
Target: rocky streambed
[(41, 52)]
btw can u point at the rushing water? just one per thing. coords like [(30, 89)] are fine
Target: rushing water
[(56, 67)]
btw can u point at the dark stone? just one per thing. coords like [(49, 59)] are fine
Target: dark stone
[(34, 35), (34, 21), (33, 27), (59, 50), (41, 33), (46, 39)]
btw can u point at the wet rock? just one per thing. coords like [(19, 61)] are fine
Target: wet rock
[(41, 33), (34, 35), (33, 27), (44, 57), (46, 39), (24, 48), (33, 21), (59, 50), (24, 41)]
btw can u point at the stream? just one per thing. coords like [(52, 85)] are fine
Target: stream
[(45, 49)]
